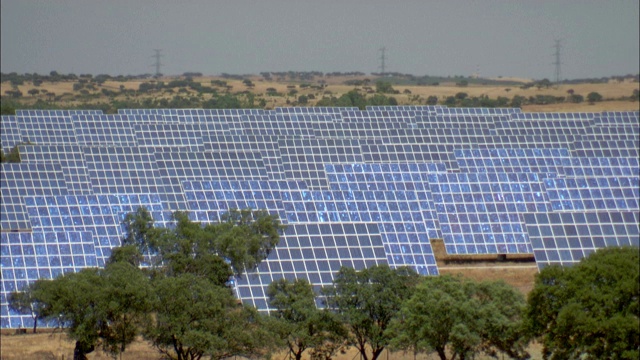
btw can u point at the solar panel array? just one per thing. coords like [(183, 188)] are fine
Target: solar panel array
[(355, 187)]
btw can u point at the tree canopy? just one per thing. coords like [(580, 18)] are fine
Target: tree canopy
[(591, 309), (299, 323), (450, 315), (367, 300)]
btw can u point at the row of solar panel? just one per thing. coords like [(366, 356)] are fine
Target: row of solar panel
[(342, 211)]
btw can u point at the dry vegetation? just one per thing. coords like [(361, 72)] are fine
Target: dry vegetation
[(611, 92)]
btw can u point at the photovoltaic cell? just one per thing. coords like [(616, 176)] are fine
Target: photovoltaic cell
[(18, 180), (565, 238), (122, 170), (102, 215), (70, 159), (480, 213), (314, 252), (397, 213), (540, 161), (27, 257), (10, 135), (593, 193)]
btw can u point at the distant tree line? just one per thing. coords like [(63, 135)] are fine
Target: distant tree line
[(182, 303)]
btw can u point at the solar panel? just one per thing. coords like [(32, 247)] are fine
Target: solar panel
[(477, 111), (480, 213), (46, 130), (102, 215), (304, 159), (267, 145), (27, 112), (397, 213), (391, 177), (175, 167), (614, 148), (10, 135), (71, 160), (540, 161), (565, 238), (605, 166), (122, 170), (18, 180), (356, 188), (593, 193), (314, 252), (208, 200), (27, 257)]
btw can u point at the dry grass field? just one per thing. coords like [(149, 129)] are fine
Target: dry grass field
[(56, 346), (611, 92)]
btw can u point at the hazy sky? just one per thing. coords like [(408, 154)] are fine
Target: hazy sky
[(454, 37)]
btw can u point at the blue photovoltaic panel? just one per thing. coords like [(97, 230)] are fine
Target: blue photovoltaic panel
[(540, 161), (175, 167), (356, 188), (458, 120), (527, 141), (565, 238), (27, 257), (110, 129), (617, 120), (304, 159), (277, 124), (9, 133), (397, 213), (70, 159), (611, 148), (314, 252), (418, 153), (480, 213), (391, 177), (604, 166), (171, 135), (18, 180), (552, 116), (207, 200), (477, 111), (122, 170), (102, 215), (423, 108), (24, 112), (47, 130), (267, 145), (593, 193)]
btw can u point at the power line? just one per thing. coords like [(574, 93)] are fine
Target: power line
[(382, 68), (157, 64), (557, 63)]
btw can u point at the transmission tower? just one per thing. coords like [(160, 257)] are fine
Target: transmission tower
[(157, 64), (382, 50), (557, 62)]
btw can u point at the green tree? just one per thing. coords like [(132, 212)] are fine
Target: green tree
[(590, 309), (593, 97), (26, 301), (384, 87), (299, 322), (367, 300), (461, 95), (195, 318), (450, 315), (576, 98)]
